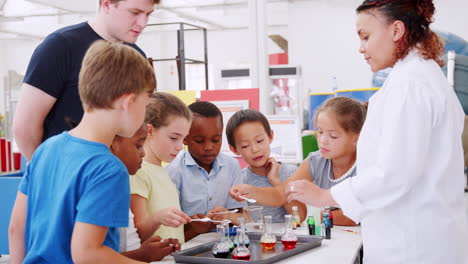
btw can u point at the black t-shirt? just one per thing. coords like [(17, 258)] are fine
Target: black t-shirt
[(54, 68)]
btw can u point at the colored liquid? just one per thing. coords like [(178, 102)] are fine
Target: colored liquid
[(221, 254), (289, 244), (268, 245), (241, 257)]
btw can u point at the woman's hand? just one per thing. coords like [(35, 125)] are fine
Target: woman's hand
[(171, 217), (306, 192)]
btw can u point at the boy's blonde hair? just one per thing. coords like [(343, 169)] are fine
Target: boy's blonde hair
[(156, 2), (110, 70)]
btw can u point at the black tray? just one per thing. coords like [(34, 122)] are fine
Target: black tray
[(202, 253)]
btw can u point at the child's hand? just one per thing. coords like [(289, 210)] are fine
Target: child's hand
[(273, 168), (241, 189), (174, 242), (201, 227), (156, 249), (171, 217), (217, 217)]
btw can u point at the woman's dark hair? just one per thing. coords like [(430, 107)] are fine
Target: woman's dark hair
[(417, 16), (349, 113)]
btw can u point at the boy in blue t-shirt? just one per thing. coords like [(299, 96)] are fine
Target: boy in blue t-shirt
[(249, 135), (75, 192)]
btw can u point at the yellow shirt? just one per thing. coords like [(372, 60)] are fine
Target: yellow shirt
[(153, 183)]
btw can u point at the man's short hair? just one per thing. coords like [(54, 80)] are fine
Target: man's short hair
[(156, 2), (244, 116), (110, 70)]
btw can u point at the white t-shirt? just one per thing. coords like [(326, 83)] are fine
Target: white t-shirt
[(129, 239)]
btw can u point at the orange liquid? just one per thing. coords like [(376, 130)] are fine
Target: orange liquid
[(268, 245), (289, 244)]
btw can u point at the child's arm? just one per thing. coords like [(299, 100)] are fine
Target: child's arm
[(87, 246), (17, 228), (147, 224), (153, 249), (271, 196)]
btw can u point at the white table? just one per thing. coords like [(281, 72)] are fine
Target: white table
[(343, 248)]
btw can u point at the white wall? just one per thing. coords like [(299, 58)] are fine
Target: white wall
[(321, 36), (226, 49), (323, 40), (452, 16)]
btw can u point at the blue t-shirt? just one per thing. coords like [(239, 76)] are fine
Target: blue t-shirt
[(68, 180), (54, 68), (251, 178)]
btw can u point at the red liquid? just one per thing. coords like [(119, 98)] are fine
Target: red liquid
[(241, 257), (268, 245), (289, 244)]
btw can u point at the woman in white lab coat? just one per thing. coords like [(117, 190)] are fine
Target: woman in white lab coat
[(408, 191)]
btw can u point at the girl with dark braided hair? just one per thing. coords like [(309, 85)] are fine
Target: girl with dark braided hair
[(408, 189)]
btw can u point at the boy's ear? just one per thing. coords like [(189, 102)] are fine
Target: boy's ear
[(185, 141), (126, 100), (272, 135), (234, 150), (149, 129), (355, 139)]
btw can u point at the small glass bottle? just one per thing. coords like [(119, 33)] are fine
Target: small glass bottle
[(268, 240), (221, 248), (295, 217), (326, 225), (330, 215), (289, 239), (241, 252), (243, 234), (227, 237), (311, 225)]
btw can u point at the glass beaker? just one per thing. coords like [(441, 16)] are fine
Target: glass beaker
[(253, 217), (241, 252), (268, 240), (227, 237), (289, 239), (221, 248)]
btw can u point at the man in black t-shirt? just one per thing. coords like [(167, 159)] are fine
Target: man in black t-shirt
[(49, 99)]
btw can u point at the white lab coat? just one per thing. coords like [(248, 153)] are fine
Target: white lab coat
[(408, 193)]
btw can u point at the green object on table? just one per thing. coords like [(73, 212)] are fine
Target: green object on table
[(309, 144)]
